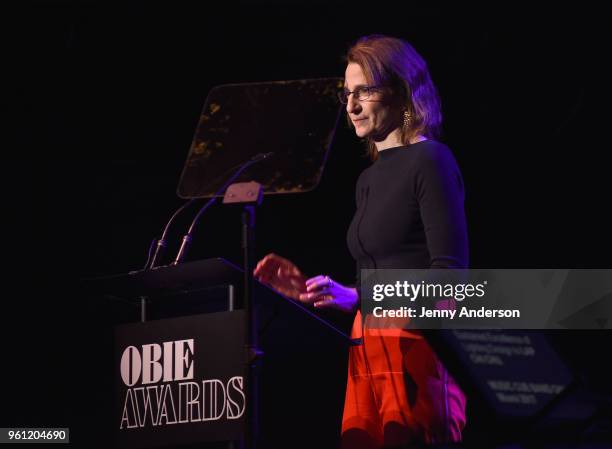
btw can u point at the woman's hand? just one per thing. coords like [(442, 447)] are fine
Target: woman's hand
[(282, 275), (322, 291)]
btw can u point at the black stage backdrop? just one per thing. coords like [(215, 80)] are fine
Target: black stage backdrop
[(108, 97)]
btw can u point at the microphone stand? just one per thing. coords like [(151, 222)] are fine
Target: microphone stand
[(188, 237), (160, 245)]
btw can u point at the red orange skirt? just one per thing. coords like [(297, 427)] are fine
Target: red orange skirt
[(398, 392)]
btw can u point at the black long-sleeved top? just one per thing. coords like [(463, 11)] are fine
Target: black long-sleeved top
[(410, 211)]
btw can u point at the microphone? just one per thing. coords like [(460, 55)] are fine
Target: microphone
[(161, 243), (187, 237), (160, 246)]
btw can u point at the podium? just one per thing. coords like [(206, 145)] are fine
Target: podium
[(181, 375), (205, 325)]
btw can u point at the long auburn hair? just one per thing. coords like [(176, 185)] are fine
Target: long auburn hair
[(392, 62)]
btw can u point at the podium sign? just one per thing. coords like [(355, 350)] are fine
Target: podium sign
[(180, 381)]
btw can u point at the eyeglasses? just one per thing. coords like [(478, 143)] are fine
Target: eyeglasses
[(361, 93)]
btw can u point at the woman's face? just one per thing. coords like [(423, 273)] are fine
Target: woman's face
[(375, 117)]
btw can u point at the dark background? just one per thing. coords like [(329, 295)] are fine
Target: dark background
[(108, 98)]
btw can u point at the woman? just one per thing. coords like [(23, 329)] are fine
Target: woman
[(409, 215)]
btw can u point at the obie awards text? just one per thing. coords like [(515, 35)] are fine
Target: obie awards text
[(161, 390)]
